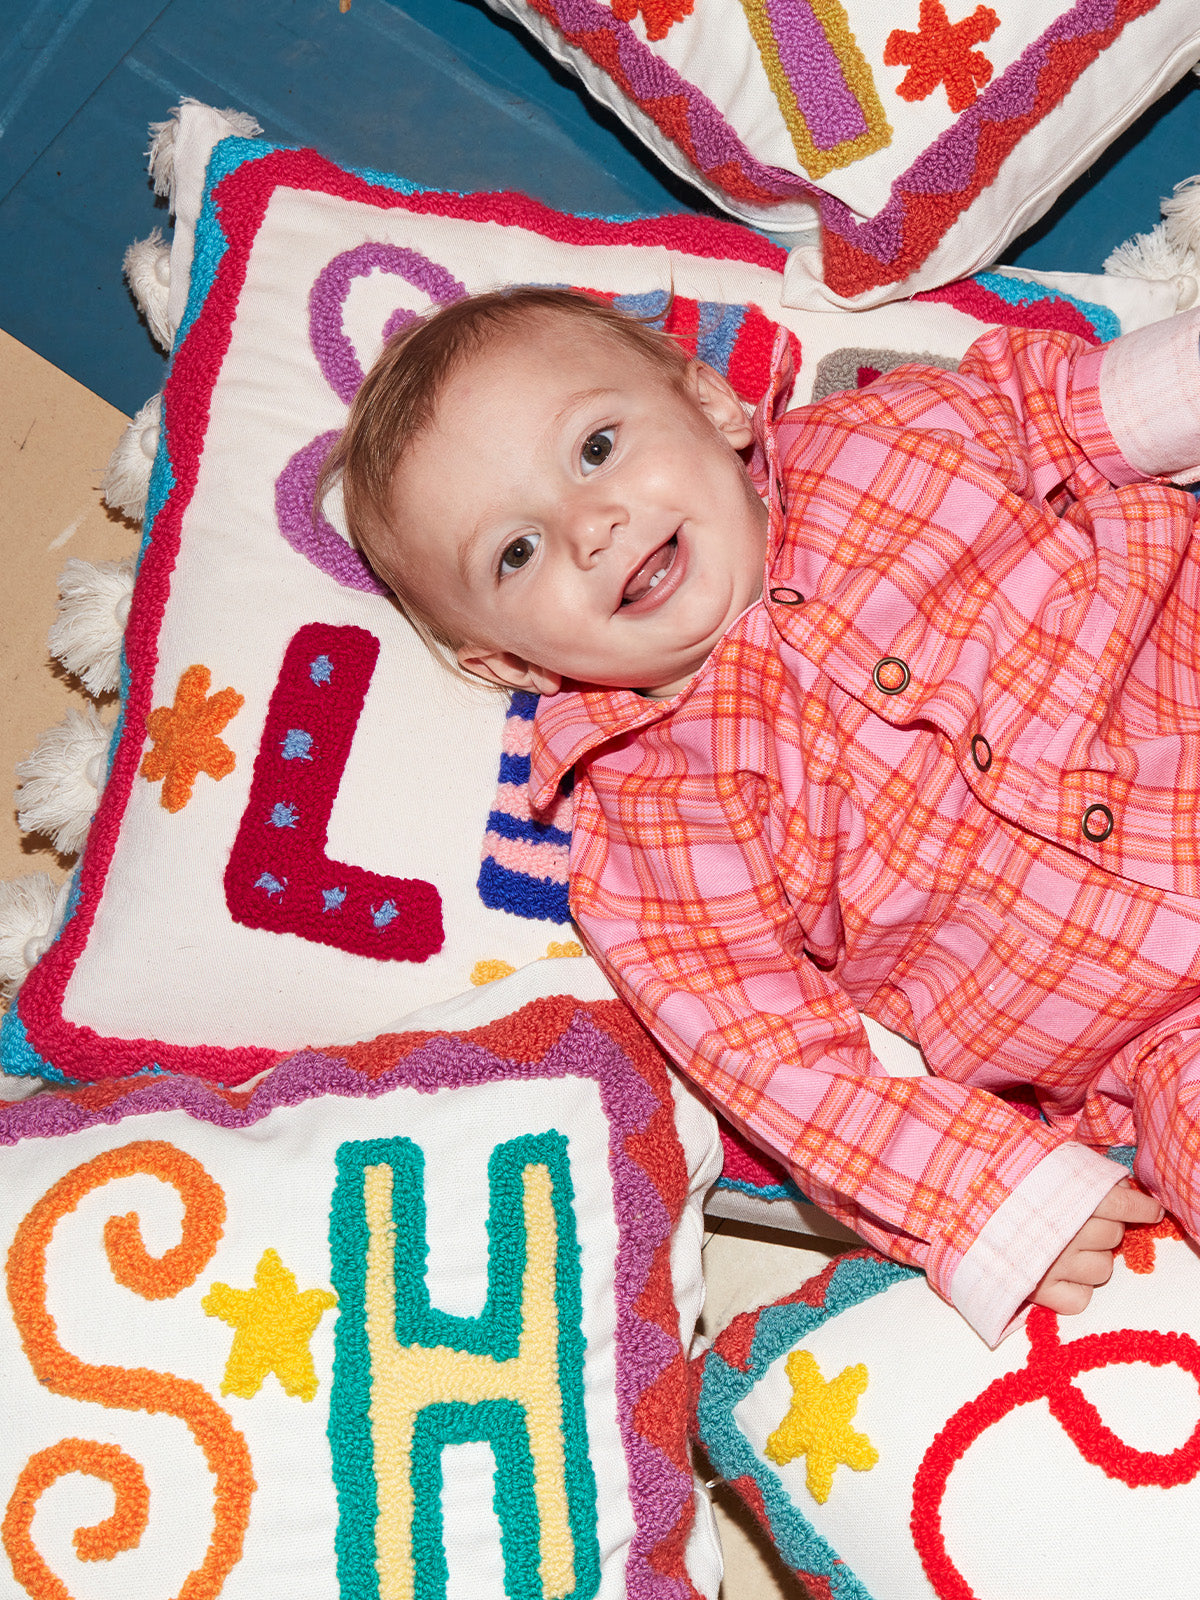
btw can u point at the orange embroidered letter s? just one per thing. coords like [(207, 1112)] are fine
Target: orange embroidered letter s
[(125, 1388)]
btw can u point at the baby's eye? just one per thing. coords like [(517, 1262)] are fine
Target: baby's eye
[(518, 553), (597, 448)]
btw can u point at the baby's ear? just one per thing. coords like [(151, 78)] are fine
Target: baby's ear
[(719, 401), (508, 670)]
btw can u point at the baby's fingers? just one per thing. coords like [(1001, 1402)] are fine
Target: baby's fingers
[(1098, 1233), (1091, 1267), (1068, 1299), (1124, 1203)]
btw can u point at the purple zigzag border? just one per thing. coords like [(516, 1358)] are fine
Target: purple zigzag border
[(945, 167)]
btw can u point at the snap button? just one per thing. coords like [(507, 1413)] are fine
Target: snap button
[(1098, 823), (891, 675), (787, 597), (981, 752)]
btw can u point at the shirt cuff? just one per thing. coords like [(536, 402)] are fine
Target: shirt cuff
[(1016, 1247), (1149, 383)]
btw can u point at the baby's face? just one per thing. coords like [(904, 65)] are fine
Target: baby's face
[(573, 513)]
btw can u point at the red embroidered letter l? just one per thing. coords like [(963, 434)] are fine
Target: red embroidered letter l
[(279, 877)]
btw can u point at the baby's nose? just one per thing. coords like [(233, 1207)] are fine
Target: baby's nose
[(591, 529)]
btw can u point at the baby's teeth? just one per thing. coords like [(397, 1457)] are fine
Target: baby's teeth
[(655, 579)]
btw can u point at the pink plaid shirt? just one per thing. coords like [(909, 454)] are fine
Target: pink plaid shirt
[(946, 773)]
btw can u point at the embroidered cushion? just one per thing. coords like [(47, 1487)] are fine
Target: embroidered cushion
[(923, 135), (891, 1456), (309, 828), (408, 1317)]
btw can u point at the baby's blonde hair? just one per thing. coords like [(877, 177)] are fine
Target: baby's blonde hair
[(399, 398)]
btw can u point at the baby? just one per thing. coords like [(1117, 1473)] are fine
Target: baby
[(887, 705)]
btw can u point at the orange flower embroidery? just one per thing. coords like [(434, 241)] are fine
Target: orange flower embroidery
[(185, 737), (659, 15), (940, 52)]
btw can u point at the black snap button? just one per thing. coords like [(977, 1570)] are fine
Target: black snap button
[(1098, 823), (891, 675), (787, 597), (981, 752)]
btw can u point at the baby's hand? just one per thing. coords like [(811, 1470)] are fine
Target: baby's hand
[(1088, 1259)]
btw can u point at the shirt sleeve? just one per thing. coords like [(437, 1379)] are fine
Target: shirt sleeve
[(1149, 391), (1132, 407), (696, 933)]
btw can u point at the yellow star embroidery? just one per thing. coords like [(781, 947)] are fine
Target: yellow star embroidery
[(185, 737), (274, 1322), (818, 1424)]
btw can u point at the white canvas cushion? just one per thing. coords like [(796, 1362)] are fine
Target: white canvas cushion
[(921, 137), (301, 801), (318, 1405), (892, 1456)]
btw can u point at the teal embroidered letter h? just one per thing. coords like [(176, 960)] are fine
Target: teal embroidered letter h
[(410, 1379)]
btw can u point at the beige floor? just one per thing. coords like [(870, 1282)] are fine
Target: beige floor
[(55, 439)]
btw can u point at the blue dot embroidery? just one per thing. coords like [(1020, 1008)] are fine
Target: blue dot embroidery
[(333, 899), (283, 816), (321, 670), (297, 745), (382, 915), (270, 883)]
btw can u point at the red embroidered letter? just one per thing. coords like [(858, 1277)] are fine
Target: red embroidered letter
[(279, 877)]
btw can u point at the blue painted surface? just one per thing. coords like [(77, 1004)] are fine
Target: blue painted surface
[(438, 90), (1119, 194)]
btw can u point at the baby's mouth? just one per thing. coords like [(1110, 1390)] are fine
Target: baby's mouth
[(651, 572)]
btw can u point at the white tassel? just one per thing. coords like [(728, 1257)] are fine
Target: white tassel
[(1181, 217), (147, 269), (1169, 253), (161, 153), (62, 780), (1147, 255), (31, 913), (93, 609), (126, 480)]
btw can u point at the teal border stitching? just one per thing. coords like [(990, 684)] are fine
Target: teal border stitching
[(780, 1328), (20, 1059), (762, 1191), (495, 1331), (230, 153), (1020, 291), (500, 1423)]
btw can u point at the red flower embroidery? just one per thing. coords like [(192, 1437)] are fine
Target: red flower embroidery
[(940, 52), (660, 15)]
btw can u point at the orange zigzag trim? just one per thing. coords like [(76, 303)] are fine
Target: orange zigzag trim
[(126, 1388)]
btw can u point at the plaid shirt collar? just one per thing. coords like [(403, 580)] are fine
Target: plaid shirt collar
[(570, 724)]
